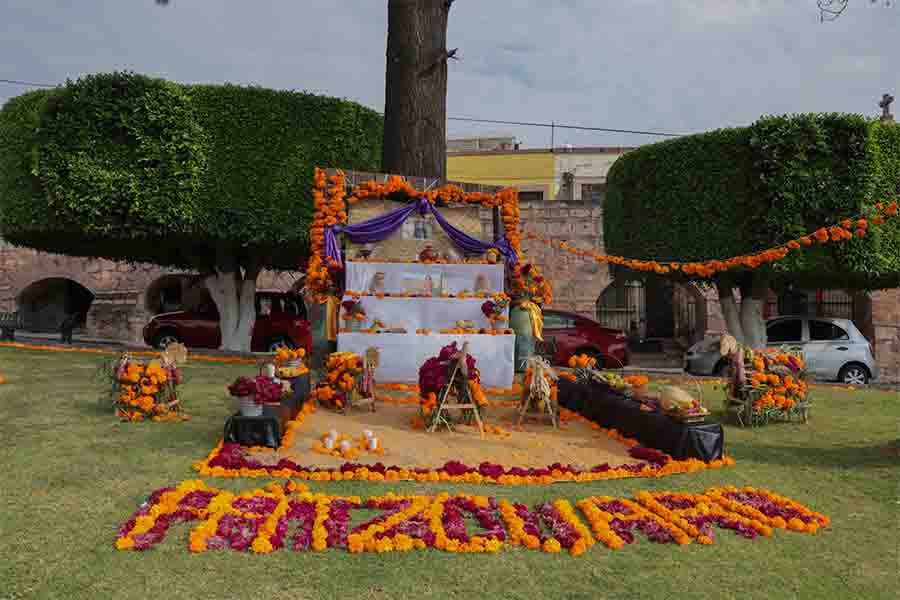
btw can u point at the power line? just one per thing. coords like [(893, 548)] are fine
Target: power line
[(464, 119), (27, 83), (563, 126)]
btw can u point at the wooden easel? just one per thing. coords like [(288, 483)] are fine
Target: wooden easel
[(363, 394), (460, 369), (529, 394)]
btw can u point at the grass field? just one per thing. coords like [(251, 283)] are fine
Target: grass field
[(72, 473)]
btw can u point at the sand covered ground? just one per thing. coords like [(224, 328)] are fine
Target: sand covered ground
[(535, 444)]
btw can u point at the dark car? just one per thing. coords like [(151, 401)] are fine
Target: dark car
[(568, 334), (279, 324)]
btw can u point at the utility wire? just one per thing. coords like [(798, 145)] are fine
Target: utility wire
[(26, 83), (463, 119), (562, 126)]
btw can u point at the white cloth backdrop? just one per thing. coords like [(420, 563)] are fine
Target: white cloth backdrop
[(403, 354), (457, 278), (425, 313)]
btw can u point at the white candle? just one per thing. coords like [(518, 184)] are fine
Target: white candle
[(329, 443), (373, 443), (368, 433), (332, 434)]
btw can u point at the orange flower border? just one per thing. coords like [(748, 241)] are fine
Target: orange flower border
[(844, 230), (200, 357), (330, 202), (420, 522), (232, 460)]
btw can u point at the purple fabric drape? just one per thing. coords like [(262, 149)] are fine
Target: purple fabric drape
[(373, 230), (379, 228), (470, 244)]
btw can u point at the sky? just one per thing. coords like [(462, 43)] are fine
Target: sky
[(678, 66)]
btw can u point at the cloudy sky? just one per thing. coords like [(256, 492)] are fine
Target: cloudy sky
[(661, 65)]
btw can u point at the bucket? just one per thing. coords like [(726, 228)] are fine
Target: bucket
[(249, 407)]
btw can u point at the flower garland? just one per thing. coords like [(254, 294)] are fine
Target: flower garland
[(330, 203), (259, 520), (201, 357), (845, 230)]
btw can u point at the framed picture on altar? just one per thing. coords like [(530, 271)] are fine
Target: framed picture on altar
[(418, 227), (417, 283)]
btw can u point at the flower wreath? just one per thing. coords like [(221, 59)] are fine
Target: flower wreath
[(434, 375)]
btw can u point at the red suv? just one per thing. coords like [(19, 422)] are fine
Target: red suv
[(567, 334), (279, 324)]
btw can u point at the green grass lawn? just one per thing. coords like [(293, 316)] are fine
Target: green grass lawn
[(72, 473)]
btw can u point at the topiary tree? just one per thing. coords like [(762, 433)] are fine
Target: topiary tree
[(737, 192), (208, 177)]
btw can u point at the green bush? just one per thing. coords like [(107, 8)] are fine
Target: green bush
[(127, 167), (738, 191)]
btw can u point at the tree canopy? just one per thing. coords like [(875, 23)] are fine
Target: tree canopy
[(735, 192), (127, 167)]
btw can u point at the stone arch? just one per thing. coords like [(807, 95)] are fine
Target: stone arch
[(647, 306), (46, 303)]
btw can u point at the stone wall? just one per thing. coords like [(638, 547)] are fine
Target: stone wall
[(577, 283)]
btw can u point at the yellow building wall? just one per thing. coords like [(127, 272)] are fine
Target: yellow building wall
[(525, 171)]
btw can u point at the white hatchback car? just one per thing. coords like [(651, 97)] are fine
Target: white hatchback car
[(834, 349)]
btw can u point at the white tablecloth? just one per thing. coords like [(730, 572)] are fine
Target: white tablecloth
[(403, 354), (457, 278), (425, 313)]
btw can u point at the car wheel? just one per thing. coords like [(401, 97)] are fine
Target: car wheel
[(854, 374), (277, 343), (165, 339)]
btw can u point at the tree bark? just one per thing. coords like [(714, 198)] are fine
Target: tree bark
[(725, 287), (753, 296), (415, 100), (233, 289)]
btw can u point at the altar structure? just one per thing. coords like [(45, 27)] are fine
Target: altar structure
[(401, 265)]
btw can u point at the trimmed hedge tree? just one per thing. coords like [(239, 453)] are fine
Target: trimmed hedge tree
[(209, 177), (737, 191)]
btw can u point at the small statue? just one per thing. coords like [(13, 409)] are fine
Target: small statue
[(428, 254), (482, 285), (377, 285)]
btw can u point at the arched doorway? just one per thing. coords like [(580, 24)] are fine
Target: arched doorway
[(654, 309), (46, 303)]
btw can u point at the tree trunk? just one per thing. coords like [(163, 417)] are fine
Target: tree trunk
[(415, 101), (753, 297), (725, 287), (233, 289)]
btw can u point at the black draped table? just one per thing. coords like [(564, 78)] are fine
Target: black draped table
[(609, 409), (267, 429)]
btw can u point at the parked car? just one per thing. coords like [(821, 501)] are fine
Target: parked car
[(279, 323), (568, 334), (834, 349)]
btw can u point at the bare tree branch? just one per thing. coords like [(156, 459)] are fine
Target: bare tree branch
[(829, 10)]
